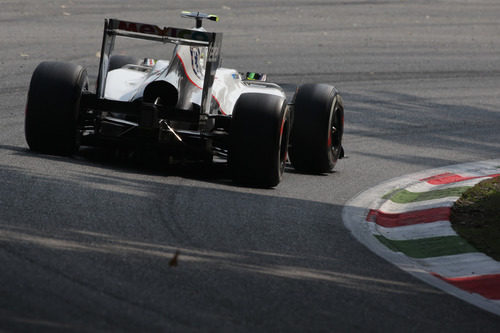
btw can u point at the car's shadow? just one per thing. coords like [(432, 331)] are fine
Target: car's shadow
[(148, 162), (155, 162)]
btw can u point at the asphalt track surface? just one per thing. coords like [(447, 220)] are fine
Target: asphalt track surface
[(86, 242)]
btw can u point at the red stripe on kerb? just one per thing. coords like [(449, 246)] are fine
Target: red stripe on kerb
[(484, 285), (448, 177), (389, 220), (194, 84)]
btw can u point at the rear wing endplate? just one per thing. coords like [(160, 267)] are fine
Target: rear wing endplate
[(115, 27)]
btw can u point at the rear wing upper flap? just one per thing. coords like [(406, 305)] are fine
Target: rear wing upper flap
[(153, 32)]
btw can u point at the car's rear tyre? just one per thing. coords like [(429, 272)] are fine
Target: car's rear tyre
[(118, 61), (53, 108), (318, 126), (260, 130)]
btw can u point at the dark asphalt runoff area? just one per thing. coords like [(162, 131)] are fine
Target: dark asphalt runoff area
[(86, 242)]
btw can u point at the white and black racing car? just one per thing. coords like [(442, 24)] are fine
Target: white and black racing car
[(188, 106)]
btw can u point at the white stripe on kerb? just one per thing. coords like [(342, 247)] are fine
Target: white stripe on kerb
[(417, 231), (459, 265)]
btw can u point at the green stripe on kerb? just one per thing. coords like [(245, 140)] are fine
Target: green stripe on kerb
[(405, 196), (428, 247)]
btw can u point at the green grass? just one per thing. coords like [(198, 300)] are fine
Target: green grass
[(476, 217)]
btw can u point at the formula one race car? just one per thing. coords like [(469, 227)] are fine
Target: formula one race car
[(187, 106)]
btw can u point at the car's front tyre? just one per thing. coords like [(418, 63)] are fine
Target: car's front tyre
[(118, 61), (318, 127)]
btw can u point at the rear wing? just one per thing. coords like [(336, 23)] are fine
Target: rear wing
[(115, 27)]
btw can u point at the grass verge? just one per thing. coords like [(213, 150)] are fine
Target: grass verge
[(476, 217)]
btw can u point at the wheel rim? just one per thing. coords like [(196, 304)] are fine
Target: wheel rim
[(335, 130), (283, 151)]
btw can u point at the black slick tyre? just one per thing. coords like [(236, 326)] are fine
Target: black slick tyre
[(260, 130), (118, 61), (318, 126), (53, 108)]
